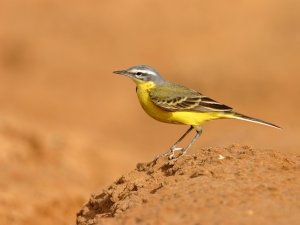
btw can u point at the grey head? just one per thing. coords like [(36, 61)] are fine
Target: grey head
[(142, 74)]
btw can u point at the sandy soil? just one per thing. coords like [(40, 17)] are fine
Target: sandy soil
[(69, 127), (233, 185)]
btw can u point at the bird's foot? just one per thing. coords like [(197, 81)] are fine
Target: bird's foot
[(169, 153), (182, 153), (172, 152)]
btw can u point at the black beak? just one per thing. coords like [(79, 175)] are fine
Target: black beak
[(121, 72)]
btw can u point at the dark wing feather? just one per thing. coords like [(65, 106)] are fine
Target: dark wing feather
[(173, 97)]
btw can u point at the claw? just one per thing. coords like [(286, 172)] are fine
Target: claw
[(170, 153), (171, 157), (174, 149)]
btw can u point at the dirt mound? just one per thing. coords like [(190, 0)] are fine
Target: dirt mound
[(70, 127), (46, 174), (234, 185)]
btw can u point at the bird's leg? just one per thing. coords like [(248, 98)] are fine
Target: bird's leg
[(173, 148), (198, 134)]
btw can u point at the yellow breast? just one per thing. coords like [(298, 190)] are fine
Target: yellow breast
[(150, 108), (180, 117)]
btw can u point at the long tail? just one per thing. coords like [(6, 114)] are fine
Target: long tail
[(239, 116)]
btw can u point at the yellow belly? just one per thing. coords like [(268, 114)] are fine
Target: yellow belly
[(181, 117)]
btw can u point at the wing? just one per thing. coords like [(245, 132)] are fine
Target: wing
[(173, 97)]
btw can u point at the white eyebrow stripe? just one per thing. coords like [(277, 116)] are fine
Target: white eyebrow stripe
[(144, 71)]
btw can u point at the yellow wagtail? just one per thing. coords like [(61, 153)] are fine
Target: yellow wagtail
[(173, 103)]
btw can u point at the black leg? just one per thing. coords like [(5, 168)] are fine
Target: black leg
[(173, 148), (184, 151), (182, 137)]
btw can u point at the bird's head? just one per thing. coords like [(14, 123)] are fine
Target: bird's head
[(142, 74)]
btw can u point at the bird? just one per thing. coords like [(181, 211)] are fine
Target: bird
[(173, 103)]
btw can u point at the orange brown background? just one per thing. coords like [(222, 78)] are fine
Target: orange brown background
[(69, 127)]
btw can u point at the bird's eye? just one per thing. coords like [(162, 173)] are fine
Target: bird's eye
[(139, 73)]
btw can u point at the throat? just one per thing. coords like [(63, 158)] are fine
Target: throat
[(144, 86), (143, 93), (142, 90)]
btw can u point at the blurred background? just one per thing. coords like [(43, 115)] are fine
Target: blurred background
[(69, 127)]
